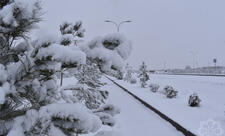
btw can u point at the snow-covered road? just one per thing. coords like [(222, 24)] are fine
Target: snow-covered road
[(135, 119)]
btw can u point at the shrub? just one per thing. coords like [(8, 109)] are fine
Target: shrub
[(133, 81), (154, 87), (170, 92), (194, 100)]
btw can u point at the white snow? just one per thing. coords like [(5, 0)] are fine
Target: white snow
[(88, 122), (63, 53), (108, 133), (111, 57), (6, 14), (135, 119), (210, 90), (3, 74), (124, 49), (4, 85)]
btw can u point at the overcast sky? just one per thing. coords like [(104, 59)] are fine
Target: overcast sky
[(163, 32)]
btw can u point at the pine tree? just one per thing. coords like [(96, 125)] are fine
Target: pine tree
[(89, 74), (109, 53), (30, 102), (16, 20), (128, 74), (143, 75), (92, 98)]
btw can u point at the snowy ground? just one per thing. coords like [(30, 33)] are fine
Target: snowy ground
[(134, 119), (210, 89)]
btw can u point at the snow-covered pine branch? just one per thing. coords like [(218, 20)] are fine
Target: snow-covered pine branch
[(109, 53), (17, 18)]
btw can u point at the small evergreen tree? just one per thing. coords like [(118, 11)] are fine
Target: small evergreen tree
[(143, 75), (128, 74)]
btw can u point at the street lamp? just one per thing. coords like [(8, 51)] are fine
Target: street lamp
[(118, 24)]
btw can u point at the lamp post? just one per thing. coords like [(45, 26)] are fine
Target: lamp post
[(118, 24)]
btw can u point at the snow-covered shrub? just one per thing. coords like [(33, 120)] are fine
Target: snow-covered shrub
[(143, 75), (133, 80), (170, 92), (194, 100), (109, 53), (154, 87)]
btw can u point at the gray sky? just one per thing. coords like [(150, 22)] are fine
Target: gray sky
[(163, 32)]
